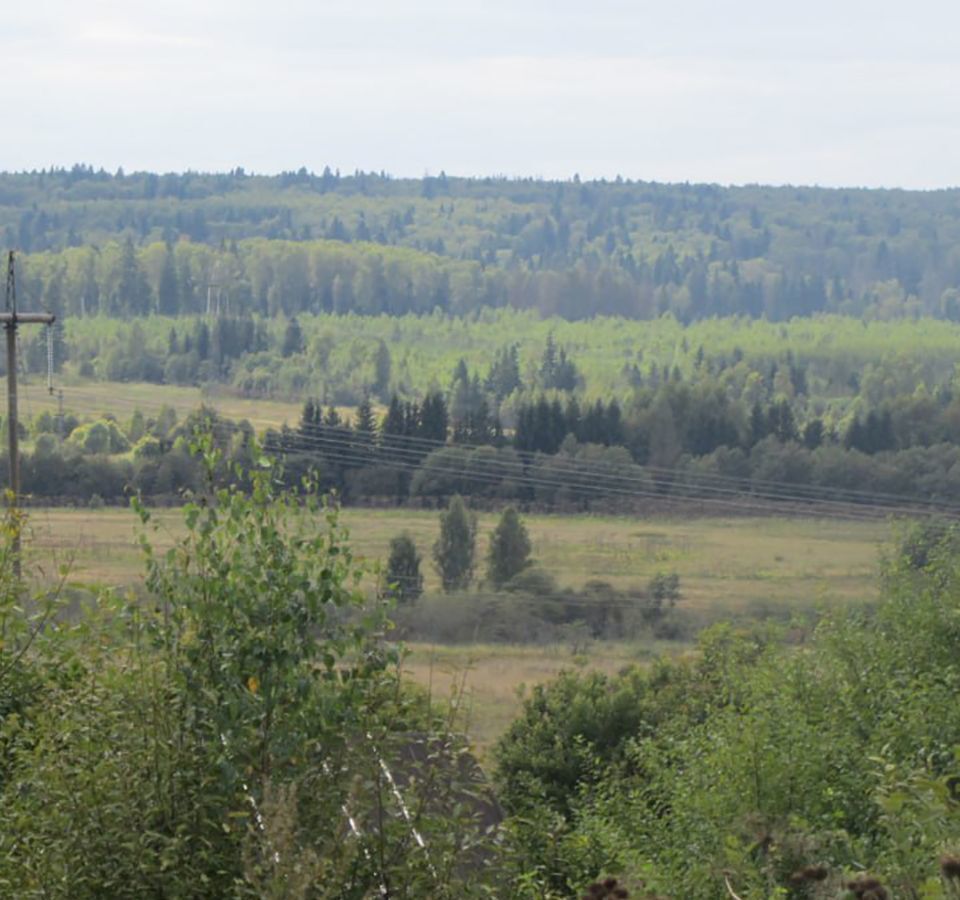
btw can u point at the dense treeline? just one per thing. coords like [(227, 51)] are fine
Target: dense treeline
[(830, 365), (674, 443), (132, 244)]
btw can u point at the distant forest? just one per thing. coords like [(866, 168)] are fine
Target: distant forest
[(299, 242)]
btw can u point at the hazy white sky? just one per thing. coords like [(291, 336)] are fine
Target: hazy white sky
[(832, 92)]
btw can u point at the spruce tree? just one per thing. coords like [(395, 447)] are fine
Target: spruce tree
[(509, 552), (434, 418), (404, 580), (382, 365), (292, 339), (168, 290), (365, 425), (454, 551)]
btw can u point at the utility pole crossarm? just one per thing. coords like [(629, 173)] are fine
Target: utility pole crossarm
[(7, 318)]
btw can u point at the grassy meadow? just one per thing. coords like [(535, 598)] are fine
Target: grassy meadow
[(727, 566), (90, 399)]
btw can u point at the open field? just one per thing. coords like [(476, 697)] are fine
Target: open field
[(93, 398), (726, 566), (729, 564)]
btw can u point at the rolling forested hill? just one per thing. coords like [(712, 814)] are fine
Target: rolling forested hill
[(367, 243)]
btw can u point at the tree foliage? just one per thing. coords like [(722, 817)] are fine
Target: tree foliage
[(791, 773), (403, 576), (206, 741), (365, 242), (455, 548), (509, 549)]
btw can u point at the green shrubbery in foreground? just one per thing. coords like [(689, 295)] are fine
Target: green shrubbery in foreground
[(228, 735), (218, 737), (787, 772)]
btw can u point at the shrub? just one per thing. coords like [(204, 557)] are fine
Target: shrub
[(183, 743)]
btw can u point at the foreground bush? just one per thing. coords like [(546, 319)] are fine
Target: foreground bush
[(230, 735), (758, 765)]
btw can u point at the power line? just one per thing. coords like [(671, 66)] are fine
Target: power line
[(346, 453), (675, 479), (343, 449), (407, 452)]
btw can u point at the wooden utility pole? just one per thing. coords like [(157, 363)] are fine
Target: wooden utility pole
[(11, 319)]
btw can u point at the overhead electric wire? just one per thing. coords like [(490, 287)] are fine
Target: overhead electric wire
[(345, 451), (676, 480), (409, 452), (344, 447), (672, 477)]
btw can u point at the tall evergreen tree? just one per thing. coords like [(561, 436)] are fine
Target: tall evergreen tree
[(455, 548), (292, 339), (365, 424), (434, 419), (133, 291), (381, 371), (504, 375), (168, 299), (403, 576), (510, 547)]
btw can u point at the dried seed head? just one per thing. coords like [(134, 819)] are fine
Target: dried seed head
[(809, 873), (950, 867), (867, 888)]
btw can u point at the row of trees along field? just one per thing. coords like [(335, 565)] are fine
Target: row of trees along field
[(679, 441), (134, 244), (810, 416), (246, 732)]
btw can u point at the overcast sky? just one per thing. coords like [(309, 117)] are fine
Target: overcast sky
[(834, 93)]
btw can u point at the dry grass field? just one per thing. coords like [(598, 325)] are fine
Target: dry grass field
[(723, 563), (90, 399), (726, 566)]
